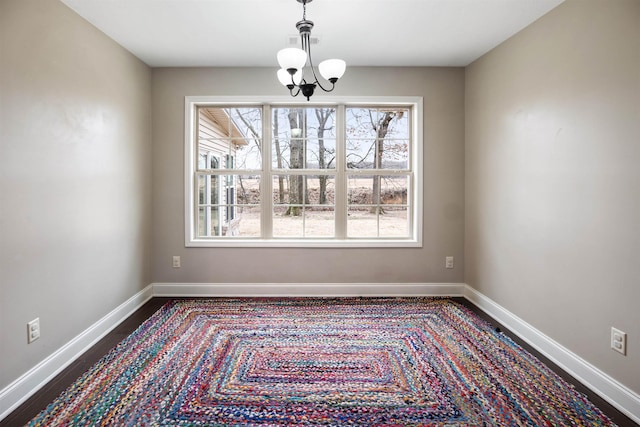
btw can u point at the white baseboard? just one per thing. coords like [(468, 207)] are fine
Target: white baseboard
[(621, 397), (617, 394), (307, 289), (25, 386)]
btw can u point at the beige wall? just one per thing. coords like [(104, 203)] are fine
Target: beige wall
[(553, 178), (443, 92), (75, 178)]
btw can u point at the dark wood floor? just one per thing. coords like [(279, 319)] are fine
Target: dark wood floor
[(616, 416), (29, 409), (36, 403)]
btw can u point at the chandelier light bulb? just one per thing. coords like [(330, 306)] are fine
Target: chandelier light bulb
[(285, 77), (292, 58), (332, 69)]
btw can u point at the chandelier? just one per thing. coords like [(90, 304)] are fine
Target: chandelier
[(293, 60)]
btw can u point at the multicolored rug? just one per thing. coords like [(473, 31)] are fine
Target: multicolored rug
[(319, 362)]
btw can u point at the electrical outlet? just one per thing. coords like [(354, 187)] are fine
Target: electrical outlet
[(33, 330), (176, 261), (448, 262), (619, 341)]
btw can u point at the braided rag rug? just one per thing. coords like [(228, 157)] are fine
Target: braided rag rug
[(319, 362)]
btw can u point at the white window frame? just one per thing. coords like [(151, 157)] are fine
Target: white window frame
[(340, 241)]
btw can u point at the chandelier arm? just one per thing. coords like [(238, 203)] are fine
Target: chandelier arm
[(307, 47), (291, 91)]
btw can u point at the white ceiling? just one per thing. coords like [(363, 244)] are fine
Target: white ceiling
[(185, 33)]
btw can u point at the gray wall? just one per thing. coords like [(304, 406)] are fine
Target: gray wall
[(553, 178), (443, 92), (75, 178), (552, 201)]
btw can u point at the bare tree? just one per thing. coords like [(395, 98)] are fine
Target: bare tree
[(255, 135), (381, 127), (296, 161), (323, 115)]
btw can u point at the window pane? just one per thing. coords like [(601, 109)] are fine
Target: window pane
[(211, 152), (304, 206), (246, 120), (319, 221), (321, 190), (360, 122), (372, 221), (394, 222), (288, 211), (242, 211), (288, 189), (378, 206), (228, 189), (360, 190), (229, 206), (246, 222), (361, 153), (374, 190), (303, 138), (221, 154), (248, 157), (247, 189), (395, 154), (362, 221), (321, 153), (321, 132), (208, 189), (377, 138), (287, 221), (235, 132), (304, 190), (394, 190), (298, 221), (208, 221)]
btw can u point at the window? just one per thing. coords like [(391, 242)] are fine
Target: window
[(339, 174)]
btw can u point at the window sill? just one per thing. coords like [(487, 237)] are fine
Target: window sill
[(295, 243)]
